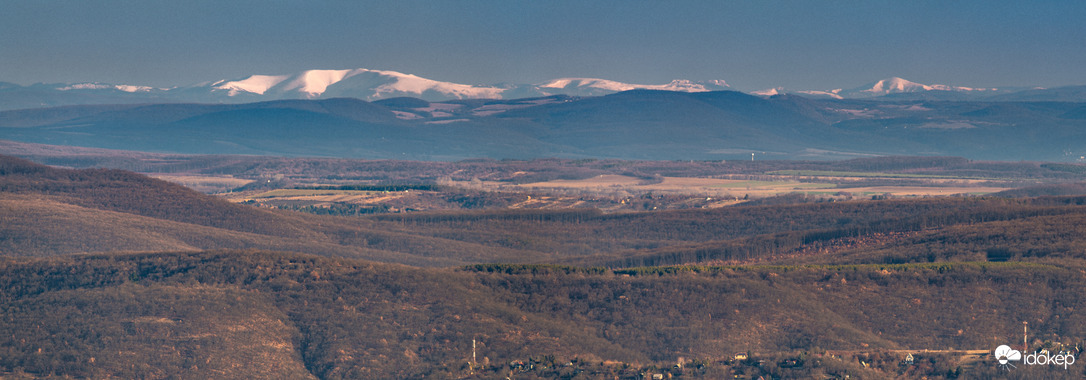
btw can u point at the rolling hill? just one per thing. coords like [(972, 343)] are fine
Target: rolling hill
[(51, 211)]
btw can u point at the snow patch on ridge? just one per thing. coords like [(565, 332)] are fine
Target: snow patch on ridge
[(413, 84), (835, 93), (817, 94), (102, 86), (315, 82), (613, 86), (256, 84), (768, 92)]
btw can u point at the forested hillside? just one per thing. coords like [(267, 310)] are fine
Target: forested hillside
[(243, 314)]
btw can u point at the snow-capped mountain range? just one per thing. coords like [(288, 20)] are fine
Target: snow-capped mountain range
[(383, 84), (363, 84)]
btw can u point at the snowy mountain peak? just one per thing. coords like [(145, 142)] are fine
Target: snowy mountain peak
[(896, 85)]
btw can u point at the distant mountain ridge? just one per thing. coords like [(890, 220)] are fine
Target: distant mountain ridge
[(896, 88), (635, 124), (373, 85)]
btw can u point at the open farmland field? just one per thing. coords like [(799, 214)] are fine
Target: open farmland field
[(353, 187), (754, 188), (610, 186)]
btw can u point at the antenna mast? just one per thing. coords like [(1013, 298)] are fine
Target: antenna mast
[(1025, 345)]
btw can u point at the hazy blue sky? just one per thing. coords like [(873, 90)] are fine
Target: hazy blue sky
[(750, 44)]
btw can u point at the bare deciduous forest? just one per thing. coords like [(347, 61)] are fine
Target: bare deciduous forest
[(110, 273)]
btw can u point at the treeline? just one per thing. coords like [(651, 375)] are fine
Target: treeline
[(390, 187), (529, 215), (536, 269), (338, 209)]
